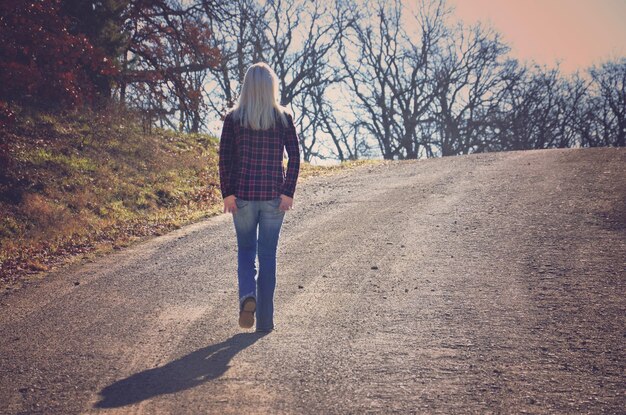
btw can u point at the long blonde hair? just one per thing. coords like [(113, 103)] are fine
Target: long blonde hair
[(259, 101)]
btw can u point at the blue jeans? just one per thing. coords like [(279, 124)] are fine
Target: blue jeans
[(267, 218)]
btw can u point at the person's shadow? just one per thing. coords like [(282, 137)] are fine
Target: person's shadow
[(187, 372)]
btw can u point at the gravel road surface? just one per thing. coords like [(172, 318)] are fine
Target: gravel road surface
[(489, 283)]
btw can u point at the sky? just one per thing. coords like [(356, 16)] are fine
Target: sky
[(578, 32)]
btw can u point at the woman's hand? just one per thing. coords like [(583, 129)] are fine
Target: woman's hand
[(286, 203), (229, 204)]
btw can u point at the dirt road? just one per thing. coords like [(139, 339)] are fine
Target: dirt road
[(490, 283)]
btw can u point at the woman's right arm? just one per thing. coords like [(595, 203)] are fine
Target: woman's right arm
[(292, 145), (226, 157)]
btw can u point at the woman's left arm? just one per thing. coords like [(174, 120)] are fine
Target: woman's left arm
[(227, 157)]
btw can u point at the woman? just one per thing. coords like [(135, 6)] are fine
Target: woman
[(256, 189)]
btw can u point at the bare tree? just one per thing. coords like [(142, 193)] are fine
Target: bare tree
[(467, 82), (573, 104), (167, 52), (237, 37), (389, 73), (534, 110), (345, 141), (301, 39), (607, 105)]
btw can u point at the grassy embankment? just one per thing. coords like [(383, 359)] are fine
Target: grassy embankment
[(81, 185)]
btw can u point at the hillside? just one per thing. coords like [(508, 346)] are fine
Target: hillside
[(92, 182)]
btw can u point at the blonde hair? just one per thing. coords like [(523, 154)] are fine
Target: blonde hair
[(259, 100)]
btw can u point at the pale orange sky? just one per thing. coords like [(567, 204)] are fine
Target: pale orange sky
[(578, 32)]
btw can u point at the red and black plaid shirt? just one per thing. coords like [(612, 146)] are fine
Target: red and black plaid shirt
[(251, 161)]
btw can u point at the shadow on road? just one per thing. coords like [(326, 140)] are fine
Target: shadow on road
[(187, 372)]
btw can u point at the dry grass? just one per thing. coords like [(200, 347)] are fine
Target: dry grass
[(308, 170), (85, 183)]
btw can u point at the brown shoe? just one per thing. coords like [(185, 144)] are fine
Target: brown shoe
[(246, 314)]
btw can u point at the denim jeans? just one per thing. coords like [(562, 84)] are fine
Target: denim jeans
[(265, 217)]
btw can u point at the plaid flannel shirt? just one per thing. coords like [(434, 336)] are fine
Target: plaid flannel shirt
[(251, 161)]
